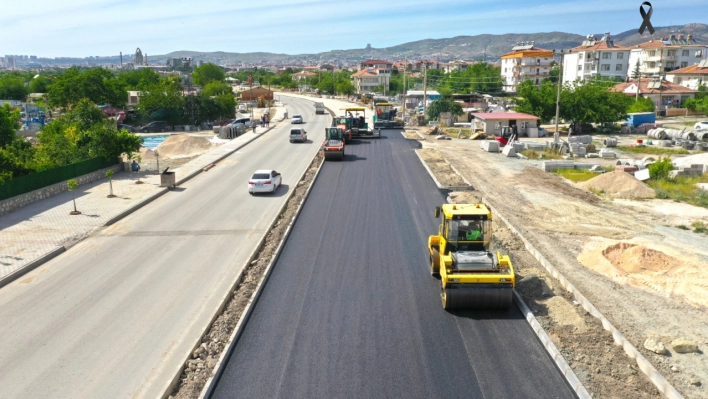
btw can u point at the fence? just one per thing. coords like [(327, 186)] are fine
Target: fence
[(682, 112), (35, 181)]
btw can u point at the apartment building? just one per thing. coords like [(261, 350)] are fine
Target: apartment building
[(594, 58), (691, 76), (660, 56), (366, 80), (525, 62)]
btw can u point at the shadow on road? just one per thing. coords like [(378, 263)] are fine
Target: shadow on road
[(281, 191)]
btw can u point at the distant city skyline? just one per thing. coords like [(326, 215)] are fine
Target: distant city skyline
[(83, 28)]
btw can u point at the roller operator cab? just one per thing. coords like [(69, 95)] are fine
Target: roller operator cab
[(333, 146), (471, 276)]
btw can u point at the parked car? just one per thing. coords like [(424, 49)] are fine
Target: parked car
[(297, 118), (299, 135), (155, 126), (126, 127), (245, 121), (264, 181), (242, 107), (701, 125)]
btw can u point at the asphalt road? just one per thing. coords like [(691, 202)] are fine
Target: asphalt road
[(115, 316), (351, 311)]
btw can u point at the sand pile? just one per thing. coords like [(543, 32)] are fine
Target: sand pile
[(632, 258), (146, 154), (619, 184), (698, 159), (183, 145)]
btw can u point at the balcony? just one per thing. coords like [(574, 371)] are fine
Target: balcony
[(671, 58)]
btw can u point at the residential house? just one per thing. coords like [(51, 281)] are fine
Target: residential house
[(366, 80), (428, 64), (384, 66), (596, 58), (133, 99), (690, 76), (670, 53), (302, 75), (455, 66), (492, 122), (661, 92), (402, 65), (414, 98), (525, 61)]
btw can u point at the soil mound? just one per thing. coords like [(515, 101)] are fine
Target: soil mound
[(619, 184), (183, 145), (146, 154), (632, 258)]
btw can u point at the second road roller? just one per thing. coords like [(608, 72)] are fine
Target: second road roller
[(471, 276)]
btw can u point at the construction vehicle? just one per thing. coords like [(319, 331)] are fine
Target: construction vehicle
[(333, 146), (471, 275), (355, 125), (507, 135), (386, 116)]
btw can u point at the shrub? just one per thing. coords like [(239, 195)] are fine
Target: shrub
[(660, 169)]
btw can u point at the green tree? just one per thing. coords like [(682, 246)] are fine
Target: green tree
[(345, 87), (593, 102), (538, 102), (12, 87), (8, 124), (215, 88), (444, 105), (138, 79), (72, 185), (98, 85), (208, 73), (162, 101), (642, 104), (40, 84), (636, 73)]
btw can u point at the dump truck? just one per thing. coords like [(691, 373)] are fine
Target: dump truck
[(386, 116), (319, 108), (333, 146), (471, 276), (354, 124)]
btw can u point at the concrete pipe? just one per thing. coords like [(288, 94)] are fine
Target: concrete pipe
[(610, 142), (702, 135)]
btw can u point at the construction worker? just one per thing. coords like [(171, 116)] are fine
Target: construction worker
[(474, 233)]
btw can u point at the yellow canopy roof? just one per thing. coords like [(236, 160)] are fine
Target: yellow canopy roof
[(354, 109)]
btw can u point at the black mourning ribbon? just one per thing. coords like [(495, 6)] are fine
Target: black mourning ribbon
[(646, 23)]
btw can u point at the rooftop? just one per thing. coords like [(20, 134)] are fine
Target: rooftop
[(648, 86), (503, 115)]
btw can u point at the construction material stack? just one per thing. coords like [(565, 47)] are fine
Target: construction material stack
[(333, 146), (471, 276)]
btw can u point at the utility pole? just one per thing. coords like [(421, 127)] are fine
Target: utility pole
[(405, 66), (425, 89), (556, 135)]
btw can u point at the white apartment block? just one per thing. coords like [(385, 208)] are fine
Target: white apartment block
[(691, 76), (662, 56), (366, 80), (596, 58), (525, 62)]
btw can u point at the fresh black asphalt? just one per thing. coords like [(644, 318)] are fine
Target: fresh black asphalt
[(351, 311)]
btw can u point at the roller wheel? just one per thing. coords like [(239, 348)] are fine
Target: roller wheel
[(446, 300), (435, 263)]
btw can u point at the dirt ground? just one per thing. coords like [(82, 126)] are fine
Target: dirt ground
[(441, 168), (645, 275), (200, 366)]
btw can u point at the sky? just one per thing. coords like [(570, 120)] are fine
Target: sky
[(82, 28)]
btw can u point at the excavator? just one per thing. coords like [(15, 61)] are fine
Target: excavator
[(333, 146), (471, 276)]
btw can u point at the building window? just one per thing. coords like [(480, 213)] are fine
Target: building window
[(684, 53), (699, 53), (620, 56), (606, 56), (671, 53), (684, 64), (605, 67), (618, 67), (652, 64), (580, 67), (652, 53), (670, 64), (580, 56), (587, 67), (679, 80)]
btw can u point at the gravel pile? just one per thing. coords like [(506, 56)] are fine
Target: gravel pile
[(619, 184)]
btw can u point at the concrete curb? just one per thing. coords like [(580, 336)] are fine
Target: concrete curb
[(210, 385), (644, 365), (548, 345), (31, 266), (565, 369)]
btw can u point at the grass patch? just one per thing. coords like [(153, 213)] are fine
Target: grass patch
[(597, 192), (453, 132), (545, 154), (577, 175), (688, 123), (653, 150), (682, 189), (699, 227), (682, 227)]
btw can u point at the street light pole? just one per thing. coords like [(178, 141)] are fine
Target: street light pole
[(556, 135)]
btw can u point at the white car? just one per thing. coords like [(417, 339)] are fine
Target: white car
[(264, 181), (701, 125), (297, 118), (242, 108), (299, 135)]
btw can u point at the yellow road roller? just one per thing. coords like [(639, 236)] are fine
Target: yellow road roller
[(471, 276)]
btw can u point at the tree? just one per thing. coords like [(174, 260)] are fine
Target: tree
[(8, 124), (345, 87), (636, 73), (593, 102), (40, 84), (138, 79), (539, 102), (12, 87), (444, 105), (98, 85), (214, 88), (162, 101), (642, 104), (71, 185), (109, 175), (208, 73)]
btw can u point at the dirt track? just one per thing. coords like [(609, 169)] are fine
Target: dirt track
[(648, 279)]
